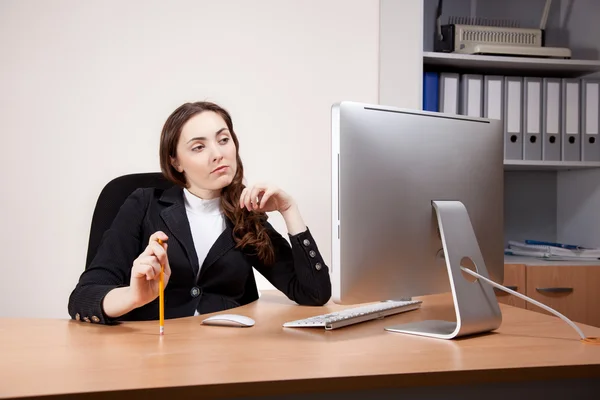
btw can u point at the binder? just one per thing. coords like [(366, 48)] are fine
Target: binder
[(590, 108), (551, 120), (430, 91), (471, 95), (513, 127), (571, 133), (448, 93), (493, 96), (532, 118)]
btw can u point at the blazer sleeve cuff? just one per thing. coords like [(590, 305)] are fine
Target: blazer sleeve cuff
[(90, 307), (304, 243)]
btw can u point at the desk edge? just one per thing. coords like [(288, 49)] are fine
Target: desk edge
[(348, 383)]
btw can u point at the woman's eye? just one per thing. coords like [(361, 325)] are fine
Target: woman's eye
[(224, 140), (197, 148)]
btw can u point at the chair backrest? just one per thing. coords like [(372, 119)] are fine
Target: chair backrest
[(112, 198)]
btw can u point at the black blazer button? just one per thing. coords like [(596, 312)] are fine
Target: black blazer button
[(306, 242), (195, 292)]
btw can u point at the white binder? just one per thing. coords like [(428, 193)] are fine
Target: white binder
[(551, 120), (532, 118), (449, 93), (513, 127), (471, 95), (590, 108), (571, 132), (493, 96)]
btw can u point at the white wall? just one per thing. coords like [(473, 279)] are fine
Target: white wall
[(401, 53), (86, 86)]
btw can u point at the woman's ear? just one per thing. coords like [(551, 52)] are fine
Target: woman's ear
[(176, 165)]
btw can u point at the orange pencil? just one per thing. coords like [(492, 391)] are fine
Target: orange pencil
[(161, 296)]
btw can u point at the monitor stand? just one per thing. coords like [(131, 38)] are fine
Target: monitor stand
[(475, 303)]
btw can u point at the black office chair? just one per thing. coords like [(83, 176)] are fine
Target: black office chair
[(112, 198)]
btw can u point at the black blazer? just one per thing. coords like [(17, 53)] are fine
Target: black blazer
[(225, 280)]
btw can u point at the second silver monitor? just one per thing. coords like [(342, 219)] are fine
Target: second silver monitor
[(388, 166)]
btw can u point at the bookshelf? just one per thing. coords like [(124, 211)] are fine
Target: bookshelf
[(555, 201), (548, 200), (516, 66)]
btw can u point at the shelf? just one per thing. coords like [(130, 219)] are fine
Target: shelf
[(542, 262), (501, 65), (513, 165)]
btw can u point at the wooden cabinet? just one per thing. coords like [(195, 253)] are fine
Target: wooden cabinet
[(572, 290), (514, 278)]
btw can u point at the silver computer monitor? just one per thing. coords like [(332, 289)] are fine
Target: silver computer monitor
[(389, 165)]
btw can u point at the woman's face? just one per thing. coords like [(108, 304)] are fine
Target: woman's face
[(206, 154)]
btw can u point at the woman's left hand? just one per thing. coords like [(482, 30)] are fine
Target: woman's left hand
[(265, 197)]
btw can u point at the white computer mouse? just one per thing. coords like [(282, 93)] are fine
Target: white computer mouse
[(233, 320)]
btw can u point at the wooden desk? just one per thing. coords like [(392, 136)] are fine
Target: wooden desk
[(59, 357)]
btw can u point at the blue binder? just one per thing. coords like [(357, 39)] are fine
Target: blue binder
[(431, 83)]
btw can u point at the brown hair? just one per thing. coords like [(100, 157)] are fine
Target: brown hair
[(249, 231)]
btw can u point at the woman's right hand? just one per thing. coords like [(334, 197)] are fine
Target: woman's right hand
[(145, 273)]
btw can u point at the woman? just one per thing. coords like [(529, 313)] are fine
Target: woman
[(213, 230)]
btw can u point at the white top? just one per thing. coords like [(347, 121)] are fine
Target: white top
[(207, 222)]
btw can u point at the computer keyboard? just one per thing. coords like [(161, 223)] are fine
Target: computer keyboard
[(355, 315)]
